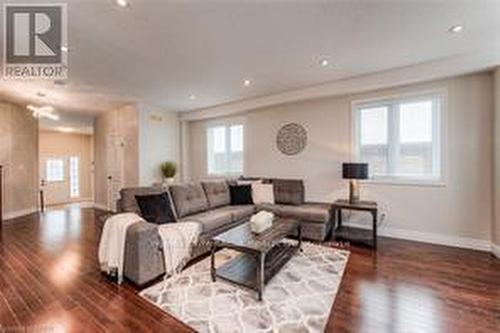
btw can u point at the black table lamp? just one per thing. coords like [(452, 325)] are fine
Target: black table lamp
[(353, 172)]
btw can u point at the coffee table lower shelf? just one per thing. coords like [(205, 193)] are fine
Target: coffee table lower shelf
[(245, 270)]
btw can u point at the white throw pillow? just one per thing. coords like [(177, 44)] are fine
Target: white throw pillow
[(249, 182), (262, 193)]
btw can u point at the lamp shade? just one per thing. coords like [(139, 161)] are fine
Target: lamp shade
[(355, 170)]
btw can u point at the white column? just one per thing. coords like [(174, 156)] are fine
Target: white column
[(496, 168), (185, 166)]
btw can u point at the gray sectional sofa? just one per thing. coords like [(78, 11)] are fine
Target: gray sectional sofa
[(209, 203)]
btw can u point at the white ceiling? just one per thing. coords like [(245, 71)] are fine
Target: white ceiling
[(69, 122), (160, 52)]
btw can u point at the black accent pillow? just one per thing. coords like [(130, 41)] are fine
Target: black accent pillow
[(241, 194), (155, 208)]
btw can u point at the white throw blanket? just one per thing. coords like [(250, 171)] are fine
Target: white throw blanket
[(112, 243), (178, 240)]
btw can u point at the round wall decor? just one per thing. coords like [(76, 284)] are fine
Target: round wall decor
[(291, 139)]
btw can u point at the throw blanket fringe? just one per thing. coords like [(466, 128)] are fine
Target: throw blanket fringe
[(112, 243), (178, 240)]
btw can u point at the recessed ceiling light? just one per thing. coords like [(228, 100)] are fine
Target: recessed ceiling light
[(456, 28), (246, 82), (324, 62), (192, 97), (64, 48), (122, 3)]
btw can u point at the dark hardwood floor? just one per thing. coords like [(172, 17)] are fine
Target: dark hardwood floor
[(50, 282)]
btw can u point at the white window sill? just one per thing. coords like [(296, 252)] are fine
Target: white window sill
[(405, 182), (219, 175)]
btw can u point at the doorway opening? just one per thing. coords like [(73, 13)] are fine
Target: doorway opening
[(66, 167)]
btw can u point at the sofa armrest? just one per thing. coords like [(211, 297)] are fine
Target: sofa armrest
[(143, 260)]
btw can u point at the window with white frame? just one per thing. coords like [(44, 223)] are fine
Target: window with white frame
[(400, 138), (225, 149), (54, 169), (74, 177)]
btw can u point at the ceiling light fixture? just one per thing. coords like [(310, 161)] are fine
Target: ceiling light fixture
[(246, 82), (65, 129), (192, 97), (455, 29), (46, 111), (324, 62), (122, 3)]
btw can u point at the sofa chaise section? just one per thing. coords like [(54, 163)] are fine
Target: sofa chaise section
[(316, 217), (289, 196)]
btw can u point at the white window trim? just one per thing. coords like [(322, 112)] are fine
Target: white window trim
[(226, 123), (443, 135)]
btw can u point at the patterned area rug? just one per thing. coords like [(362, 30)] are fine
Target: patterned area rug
[(298, 299)]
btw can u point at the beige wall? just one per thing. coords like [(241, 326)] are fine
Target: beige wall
[(71, 144), (460, 209), (159, 134), (496, 222), (19, 156), (123, 122)]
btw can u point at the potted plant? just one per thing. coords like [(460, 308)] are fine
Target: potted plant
[(168, 169)]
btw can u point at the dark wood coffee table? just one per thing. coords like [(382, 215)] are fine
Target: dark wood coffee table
[(263, 254)]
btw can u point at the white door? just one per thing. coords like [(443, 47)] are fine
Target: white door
[(54, 179), (115, 169), (60, 179)]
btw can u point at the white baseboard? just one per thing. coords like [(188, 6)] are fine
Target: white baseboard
[(495, 249), (456, 241), (433, 238), (83, 202), (19, 213), (86, 204), (100, 206), (28, 211)]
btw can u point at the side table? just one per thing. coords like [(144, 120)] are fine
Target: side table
[(354, 234)]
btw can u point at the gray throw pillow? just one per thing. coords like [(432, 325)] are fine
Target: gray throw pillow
[(288, 191)]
